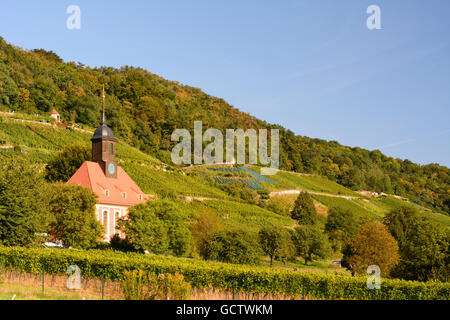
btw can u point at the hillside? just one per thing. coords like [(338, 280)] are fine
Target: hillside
[(144, 109), (38, 142)]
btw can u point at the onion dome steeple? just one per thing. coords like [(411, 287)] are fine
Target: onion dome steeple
[(104, 146)]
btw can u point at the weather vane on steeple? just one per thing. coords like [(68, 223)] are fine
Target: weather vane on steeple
[(103, 106)]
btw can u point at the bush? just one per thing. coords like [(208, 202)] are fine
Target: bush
[(279, 205), (140, 285)]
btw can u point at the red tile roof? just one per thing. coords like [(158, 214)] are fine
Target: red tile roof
[(91, 175), (54, 111)]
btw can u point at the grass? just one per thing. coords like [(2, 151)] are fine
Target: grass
[(287, 180), (356, 206), (21, 292)]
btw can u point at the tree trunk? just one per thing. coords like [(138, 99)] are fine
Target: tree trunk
[(271, 260)]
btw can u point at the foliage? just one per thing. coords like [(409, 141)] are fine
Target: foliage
[(206, 274), (144, 109), (140, 285), (279, 205), (117, 243), (341, 227), (304, 210), (205, 224), (157, 226), (177, 287), (23, 198), (424, 246), (373, 245), (273, 241), (240, 190), (64, 164), (311, 243), (73, 218), (234, 246), (144, 231)]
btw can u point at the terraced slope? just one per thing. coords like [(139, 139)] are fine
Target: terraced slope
[(40, 141)]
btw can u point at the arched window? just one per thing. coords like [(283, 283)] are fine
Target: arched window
[(111, 148), (105, 221)]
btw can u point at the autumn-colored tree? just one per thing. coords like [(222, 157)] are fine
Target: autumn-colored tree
[(373, 245), (304, 210)]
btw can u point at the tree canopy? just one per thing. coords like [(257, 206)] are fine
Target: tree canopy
[(373, 245), (73, 219), (23, 199), (304, 210)]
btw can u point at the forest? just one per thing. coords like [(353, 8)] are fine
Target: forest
[(143, 109)]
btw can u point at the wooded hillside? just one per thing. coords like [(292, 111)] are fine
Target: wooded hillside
[(144, 109)]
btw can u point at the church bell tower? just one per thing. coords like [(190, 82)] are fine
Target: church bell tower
[(104, 146)]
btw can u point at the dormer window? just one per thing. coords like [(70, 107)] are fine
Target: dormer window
[(107, 193), (139, 197), (124, 195)]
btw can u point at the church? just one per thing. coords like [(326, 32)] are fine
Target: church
[(115, 190)]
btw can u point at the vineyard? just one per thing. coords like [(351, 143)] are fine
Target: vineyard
[(39, 141), (204, 274)]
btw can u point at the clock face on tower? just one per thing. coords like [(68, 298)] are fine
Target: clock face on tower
[(111, 168)]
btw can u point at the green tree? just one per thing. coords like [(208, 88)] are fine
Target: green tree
[(304, 210), (205, 224), (273, 240), (233, 246), (341, 227), (65, 163), (159, 227), (144, 231), (23, 199), (73, 216), (176, 223), (373, 245), (423, 246), (311, 243)]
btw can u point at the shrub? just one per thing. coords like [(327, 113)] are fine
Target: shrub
[(140, 285)]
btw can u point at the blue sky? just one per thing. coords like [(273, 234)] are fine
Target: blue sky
[(311, 66)]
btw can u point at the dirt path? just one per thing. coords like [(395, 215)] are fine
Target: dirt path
[(297, 191)]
